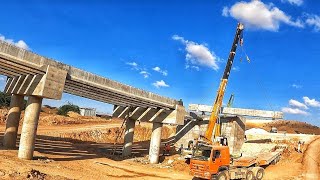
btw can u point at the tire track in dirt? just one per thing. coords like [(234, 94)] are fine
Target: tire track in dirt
[(310, 160)]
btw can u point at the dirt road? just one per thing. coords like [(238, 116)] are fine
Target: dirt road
[(311, 160)]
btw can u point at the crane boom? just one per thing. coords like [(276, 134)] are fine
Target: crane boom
[(214, 124)]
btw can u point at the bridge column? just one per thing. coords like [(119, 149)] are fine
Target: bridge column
[(128, 137), (29, 128), (12, 124), (155, 143)]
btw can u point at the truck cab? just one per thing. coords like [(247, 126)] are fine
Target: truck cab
[(207, 161)]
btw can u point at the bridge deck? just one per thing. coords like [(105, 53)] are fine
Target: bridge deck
[(17, 61)]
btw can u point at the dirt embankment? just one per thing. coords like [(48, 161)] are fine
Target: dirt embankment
[(108, 135), (290, 126), (311, 160)]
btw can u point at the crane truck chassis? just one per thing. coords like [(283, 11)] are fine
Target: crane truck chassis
[(213, 162)]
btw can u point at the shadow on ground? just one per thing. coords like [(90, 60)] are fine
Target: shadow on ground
[(68, 149)]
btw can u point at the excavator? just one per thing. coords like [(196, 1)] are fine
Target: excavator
[(211, 160)]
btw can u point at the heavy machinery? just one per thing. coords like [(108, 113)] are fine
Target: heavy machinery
[(211, 160)]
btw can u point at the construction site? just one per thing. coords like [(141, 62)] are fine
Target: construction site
[(147, 135)]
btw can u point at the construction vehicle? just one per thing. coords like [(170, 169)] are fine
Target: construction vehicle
[(211, 160)]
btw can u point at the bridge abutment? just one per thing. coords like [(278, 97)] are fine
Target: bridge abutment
[(155, 143), (29, 128), (12, 124)]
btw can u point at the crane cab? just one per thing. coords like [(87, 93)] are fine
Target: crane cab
[(209, 160)]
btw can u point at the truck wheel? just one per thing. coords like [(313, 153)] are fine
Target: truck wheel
[(249, 175), (222, 176), (259, 174)]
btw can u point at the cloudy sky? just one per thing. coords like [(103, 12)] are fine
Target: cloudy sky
[(179, 48)]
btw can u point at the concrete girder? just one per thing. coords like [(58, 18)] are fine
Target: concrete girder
[(153, 115), (105, 96), (131, 101), (238, 111), (99, 97), (25, 62), (19, 68), (9, 73)]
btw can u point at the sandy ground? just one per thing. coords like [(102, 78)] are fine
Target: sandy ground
[(80, 148), (59, 158), (311, 160)]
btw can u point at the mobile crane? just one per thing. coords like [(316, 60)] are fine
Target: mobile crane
[(210, 160)]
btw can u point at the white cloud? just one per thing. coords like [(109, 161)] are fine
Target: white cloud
[(297, 86), (134, 65), (187, 66), (294, 2), (294, 111), (225, 11), (145, 74), (158, 69), (236, 68), (313, 20), (159, 84), (257, 15), (295, 103), (198, 54), (142, 71), (311, 102), (20, 43)]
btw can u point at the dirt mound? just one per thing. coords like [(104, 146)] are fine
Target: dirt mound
[(290, 126), (141, 133), (49, 110), (74, 114), (256, 131)]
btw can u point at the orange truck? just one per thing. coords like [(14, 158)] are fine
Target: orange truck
[(213, 162)]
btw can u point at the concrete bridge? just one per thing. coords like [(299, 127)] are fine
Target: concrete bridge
[(39, 77)]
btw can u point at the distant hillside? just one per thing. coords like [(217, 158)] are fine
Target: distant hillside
[(290, 126)]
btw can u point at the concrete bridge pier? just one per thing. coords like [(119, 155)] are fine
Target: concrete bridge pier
[(155, 143), (12, 124), (128, 137), (29, 128)]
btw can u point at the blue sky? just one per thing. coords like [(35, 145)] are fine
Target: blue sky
[(179, 48)]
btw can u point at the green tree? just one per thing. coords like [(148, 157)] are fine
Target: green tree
[(4, 99), (63, 110)]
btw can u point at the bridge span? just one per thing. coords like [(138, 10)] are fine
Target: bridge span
[(38, 77)]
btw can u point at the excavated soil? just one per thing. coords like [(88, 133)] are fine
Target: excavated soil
[(77, 147), (289, 126)]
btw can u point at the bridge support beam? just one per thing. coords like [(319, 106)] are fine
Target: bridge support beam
[(12, 124), (29, 128), (154, 150), (128, 137)]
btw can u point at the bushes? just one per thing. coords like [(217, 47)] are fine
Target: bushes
[(63, 110), (4, 100)]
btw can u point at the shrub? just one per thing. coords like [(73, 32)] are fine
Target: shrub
[(63, 110), (4, 100)]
